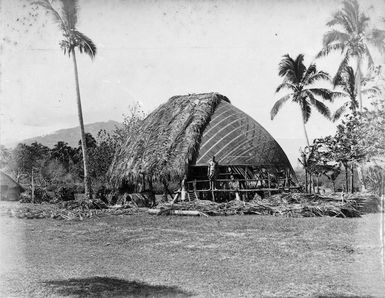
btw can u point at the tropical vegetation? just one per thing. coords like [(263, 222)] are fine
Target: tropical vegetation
[(346, 80), (357, 144), (352, 36)]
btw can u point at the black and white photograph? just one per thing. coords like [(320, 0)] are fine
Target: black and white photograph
[(192, 148)]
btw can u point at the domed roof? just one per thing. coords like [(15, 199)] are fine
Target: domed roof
[(237, 139)]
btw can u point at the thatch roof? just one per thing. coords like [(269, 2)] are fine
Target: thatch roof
[(167, 140), (189, 130)]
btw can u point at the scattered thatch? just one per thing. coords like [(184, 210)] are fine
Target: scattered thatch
[(72, 210), (167, 141), (289, 205)]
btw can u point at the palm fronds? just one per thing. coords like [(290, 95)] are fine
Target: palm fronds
[(285, 85), (343, 65), (287, 205), (291, 69), (340, 111), (346, 80), (299, 79), (327, 49), (70, 13), (46, 4), (67, 21), (323, 93), (335, 36), (342, 18), (306, 110), (377, 39), (85, 44), (318, 76), (320, 106), (278, 104)]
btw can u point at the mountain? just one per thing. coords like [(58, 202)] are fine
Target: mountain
[(72, 135)]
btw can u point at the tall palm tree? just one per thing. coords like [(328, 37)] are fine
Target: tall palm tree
[(299, 81), (72, 38), (352, 40), (346, 80)]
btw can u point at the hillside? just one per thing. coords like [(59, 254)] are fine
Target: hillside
[(72, 135)]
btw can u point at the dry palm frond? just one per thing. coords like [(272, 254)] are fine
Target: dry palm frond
[(289, 205)]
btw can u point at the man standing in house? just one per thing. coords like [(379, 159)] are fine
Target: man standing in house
[(212, 172)]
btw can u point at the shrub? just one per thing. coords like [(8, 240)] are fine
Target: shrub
[(65, 193)]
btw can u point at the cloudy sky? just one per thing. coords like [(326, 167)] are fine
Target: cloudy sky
[(150, 50)]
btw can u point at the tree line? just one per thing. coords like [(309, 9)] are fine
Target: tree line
[(63, 164)]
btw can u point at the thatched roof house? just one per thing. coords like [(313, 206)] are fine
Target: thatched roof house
[(186, 132), (9, 189)]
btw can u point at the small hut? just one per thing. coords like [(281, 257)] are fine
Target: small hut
[(10, 189), (180, 138)]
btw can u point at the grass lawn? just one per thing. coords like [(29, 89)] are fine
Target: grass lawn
[(143, 255)]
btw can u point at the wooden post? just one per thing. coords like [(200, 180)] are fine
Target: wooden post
[(165, 190), (286, 184), (195, 188), (306, 190), (151, 190), (143, 182), (317, 184), (246, 182), (346, 178), (32, 188), (268, 183), (352, 177)]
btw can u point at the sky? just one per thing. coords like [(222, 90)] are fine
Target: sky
[(151, 50)]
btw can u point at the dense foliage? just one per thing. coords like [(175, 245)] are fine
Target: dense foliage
[(62, 165), (358, 146)]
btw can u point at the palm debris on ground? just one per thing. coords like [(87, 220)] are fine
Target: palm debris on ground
[(71, 210), (290, 205)]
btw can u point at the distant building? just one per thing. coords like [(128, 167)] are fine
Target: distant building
[(10, 190)]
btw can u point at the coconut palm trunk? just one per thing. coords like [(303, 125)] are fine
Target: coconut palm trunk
[(358, 82), (304, 130), (360, 167), (87, 181), (307, 185), (346, 176), (352, 178)]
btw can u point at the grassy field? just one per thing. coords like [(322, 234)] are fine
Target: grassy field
[(153, 256)]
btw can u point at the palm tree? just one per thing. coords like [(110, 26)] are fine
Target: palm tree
[(299, 80), (352, 40), (346, 80), (72, 39)]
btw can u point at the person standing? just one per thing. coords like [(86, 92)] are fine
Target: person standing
[(183, 189), (235, 186), (212, 173)]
